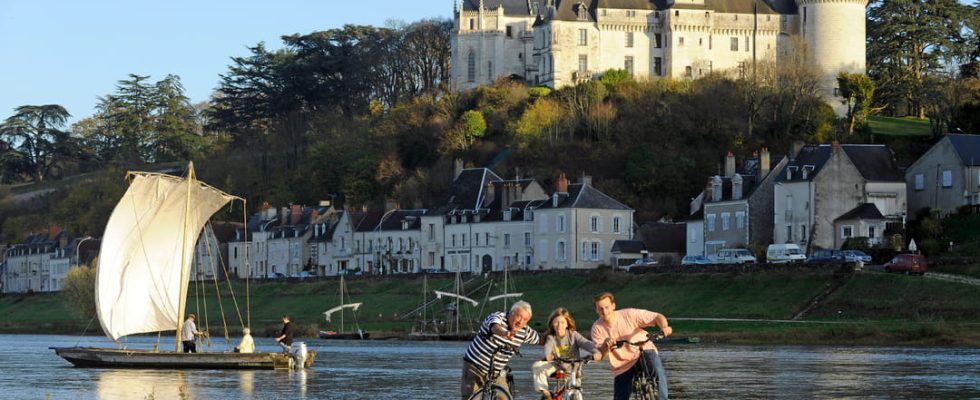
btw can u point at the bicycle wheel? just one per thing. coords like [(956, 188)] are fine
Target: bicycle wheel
[(644, 388), (494, 392)]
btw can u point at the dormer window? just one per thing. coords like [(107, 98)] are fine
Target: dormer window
[(528, 215), (507, 215), (583, 12), (789, 172), (405, 225), (807, 170)]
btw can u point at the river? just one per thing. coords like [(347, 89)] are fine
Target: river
[(431, 370)]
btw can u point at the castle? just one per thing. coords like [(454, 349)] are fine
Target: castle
[(557, 43)]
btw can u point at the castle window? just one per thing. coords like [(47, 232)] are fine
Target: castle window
[(658, 65), (471, 67), (707, 14), (736, 17), (628, 65), (490, 70), (700, 42), (747, 43), (583, 12), (472, 24), (688, 71), (629, 39), (680, 41), (603, 12), (677, 13), (734, 44), (583, 37), (583, 63), (656, 39), (509, 31)]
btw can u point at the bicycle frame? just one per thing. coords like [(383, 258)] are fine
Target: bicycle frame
[(490, 389), (566, 383), (647, 386)]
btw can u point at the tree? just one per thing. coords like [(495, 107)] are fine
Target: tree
[(80, 291), (908, 40), (472, 125), (34, 132), (857, 91)]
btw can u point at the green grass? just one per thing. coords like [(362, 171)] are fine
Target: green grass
[(899, 126), (869, 308)]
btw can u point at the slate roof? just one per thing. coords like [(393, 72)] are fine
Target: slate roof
[(750, 178), (628, 246), (565, 10), (466, 191), (585, 196), (511, 7), (875, 162), (967, 147), (664, 237), (392, 221), (863, 211)]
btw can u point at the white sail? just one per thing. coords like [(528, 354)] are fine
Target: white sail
[(151, 233)]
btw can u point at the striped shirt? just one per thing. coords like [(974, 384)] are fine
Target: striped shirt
[(483, 345)]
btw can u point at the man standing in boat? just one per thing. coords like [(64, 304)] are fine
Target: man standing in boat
[(499, 338), (188, 337), (285, 338)]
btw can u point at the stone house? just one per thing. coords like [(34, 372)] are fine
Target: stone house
[(947, 176)]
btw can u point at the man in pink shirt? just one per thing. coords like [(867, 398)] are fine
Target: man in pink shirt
[(627, 324)]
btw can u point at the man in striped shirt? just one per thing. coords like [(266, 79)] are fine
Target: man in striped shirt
[(502, 334)]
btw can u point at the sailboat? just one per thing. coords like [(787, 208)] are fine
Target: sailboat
[(144, 272), (425, 328), (454, 331), (340, 334)]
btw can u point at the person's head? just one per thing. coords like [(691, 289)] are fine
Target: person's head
[(191, 317), (560, 321), (246, 331), (605, 304), (519, 315), (285, 318)]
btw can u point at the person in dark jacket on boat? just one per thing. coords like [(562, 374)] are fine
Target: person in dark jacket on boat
[(188, 336), (285, 338)]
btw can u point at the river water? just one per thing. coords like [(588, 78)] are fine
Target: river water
[(431, 370)]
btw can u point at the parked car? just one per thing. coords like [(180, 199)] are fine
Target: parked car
[(908, 263), (784, 253), (643, 262), (302, 275), (696, 260), (734, 256), (856, 255), (826, 256), (276, 275)]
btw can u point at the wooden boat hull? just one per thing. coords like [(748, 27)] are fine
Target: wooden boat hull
[(91, 357), (344, 336)]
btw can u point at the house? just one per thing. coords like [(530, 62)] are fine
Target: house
[(664, 241), (41, 262), (947, 176), (823, 183), (275, 243), (626, 252), (738, 205)]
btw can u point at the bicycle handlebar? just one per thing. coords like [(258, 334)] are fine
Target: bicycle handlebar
[(573, 360), (651, 337)]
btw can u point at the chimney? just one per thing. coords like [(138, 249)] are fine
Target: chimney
[(295, 212), (364, 208), (834, 146), (561, 186), (763, 163), (489, 194), (795, 148), (283, 216), (730, 165), (457, 167)]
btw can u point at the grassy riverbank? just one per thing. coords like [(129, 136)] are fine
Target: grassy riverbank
[(853, 308)]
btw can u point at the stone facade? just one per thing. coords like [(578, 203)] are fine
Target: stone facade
[(947, 176), (561, 42)]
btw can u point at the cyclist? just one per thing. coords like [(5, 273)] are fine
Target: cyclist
[(627, 324), (500, 333), (562, 341)]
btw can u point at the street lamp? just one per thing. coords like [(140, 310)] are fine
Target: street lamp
[(78, 257)]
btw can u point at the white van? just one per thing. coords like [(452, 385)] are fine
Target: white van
[(734, 256), (784, 253)]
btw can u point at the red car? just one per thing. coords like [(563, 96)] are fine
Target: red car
[(908, 263)]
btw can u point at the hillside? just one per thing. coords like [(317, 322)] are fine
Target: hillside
[(871, 308)]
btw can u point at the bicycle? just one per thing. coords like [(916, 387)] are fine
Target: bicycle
[(492, 390), (645, 386), (568, 383)]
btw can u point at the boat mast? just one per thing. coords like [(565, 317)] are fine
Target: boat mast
[(183, 267), (341, 330)]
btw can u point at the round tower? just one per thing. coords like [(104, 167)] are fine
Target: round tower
[(834, 32)]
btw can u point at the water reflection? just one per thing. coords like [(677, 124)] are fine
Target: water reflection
[(431, 370), (140, 384)]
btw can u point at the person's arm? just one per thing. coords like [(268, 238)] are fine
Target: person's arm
[(549, 347), (599, 339), (581, 343), (660, 321)]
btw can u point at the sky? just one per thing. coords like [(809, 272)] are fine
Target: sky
[(73, 52)]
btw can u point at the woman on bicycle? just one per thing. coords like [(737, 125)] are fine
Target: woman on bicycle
[(626, 325), (561, 341)]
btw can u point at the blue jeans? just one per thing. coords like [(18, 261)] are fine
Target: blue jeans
[(650, 362)]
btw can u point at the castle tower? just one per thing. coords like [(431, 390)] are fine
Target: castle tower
[(834, 32)]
